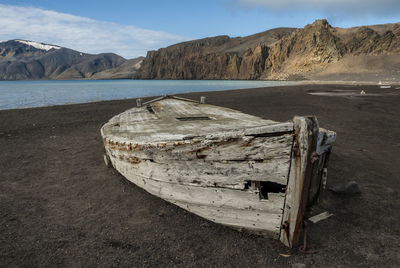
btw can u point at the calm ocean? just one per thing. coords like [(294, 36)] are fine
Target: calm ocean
[(24, 94)]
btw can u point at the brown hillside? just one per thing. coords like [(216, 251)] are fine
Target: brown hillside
[(313, 52)]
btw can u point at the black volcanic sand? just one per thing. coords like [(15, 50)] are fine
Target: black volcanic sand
[(60, 205)]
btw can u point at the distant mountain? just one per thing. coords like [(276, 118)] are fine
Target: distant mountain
[(28, 60), (317, 51)]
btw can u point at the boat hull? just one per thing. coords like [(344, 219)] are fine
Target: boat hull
[(260, 178), (218, 177)]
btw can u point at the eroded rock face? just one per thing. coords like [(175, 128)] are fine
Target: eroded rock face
[(281, 54), (304, 50), (219, 57)]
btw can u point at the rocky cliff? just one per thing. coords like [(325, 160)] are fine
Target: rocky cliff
[(26, 60), (312, 52)]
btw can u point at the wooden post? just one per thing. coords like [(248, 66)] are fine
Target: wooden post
[(139, 102), (300, 173)]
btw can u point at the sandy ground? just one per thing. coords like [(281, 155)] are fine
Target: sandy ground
[(60, 205)]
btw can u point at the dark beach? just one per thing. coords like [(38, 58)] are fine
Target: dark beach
[(60, 205)]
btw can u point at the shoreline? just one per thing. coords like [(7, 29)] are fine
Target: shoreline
[(393, 86), (60, 205), (48, 93)]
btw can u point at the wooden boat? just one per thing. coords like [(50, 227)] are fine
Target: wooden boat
[(226, 166)]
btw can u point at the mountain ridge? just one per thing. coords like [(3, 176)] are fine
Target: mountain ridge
[(29, 60), (312, 52)]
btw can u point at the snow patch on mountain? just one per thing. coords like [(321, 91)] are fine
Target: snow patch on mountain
[(38, 45)]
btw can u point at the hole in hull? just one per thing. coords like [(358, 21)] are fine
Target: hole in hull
[(265, 187)]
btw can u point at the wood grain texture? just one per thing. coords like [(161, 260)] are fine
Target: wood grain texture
[(236, 208), (158, 122), (217, 149), (208, 196), (326, 138), (211, 162), (261, 222), (305, 143)]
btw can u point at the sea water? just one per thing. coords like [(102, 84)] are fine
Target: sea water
[(25, 94)]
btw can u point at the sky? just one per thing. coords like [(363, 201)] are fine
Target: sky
[(131, 28)]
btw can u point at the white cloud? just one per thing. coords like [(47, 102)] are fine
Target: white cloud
[(80, 33), (345, 7)]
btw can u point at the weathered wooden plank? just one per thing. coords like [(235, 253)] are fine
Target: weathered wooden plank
[(304, 145), (161, 123), (240, 148), (211, 163), (126, 123), (261, 221), (207, 196), (320, 217), (248, 147), (229, 174), (324, 144), (316, 178), (326, 138), (252, 131)]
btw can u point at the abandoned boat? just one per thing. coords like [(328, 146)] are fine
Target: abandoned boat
[(226, 166)]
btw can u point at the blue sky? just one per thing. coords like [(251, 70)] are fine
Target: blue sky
[(130, 28)]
